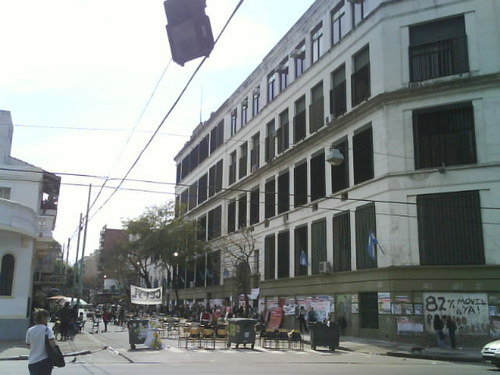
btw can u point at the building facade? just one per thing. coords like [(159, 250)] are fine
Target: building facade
[(363, 154), (28, 209)]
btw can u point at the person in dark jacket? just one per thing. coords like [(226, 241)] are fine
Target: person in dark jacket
[(438, 328), (452, 327)]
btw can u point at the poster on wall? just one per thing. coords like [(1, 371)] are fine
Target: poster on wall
[(408, 325), (469, 310), (323, 306), (384, 303), (289, 307)]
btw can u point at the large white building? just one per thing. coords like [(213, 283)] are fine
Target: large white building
[(28, 207), (364, 153)]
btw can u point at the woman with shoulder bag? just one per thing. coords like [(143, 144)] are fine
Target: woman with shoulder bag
[(39, 362)]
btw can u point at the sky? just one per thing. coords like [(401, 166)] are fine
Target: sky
[(88, 81)]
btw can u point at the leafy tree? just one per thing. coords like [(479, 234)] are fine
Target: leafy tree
[(239, 249)]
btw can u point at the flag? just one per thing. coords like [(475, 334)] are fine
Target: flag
[(372, 245), (303, 259), (226, 273), (209, 274)]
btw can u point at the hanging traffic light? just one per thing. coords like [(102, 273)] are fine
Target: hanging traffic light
[(188, 29)]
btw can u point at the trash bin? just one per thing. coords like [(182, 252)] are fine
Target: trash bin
[(137, 331), (241, 331), (324, 335)]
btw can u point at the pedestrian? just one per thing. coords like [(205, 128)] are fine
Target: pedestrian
[(66, 317), (342, 324), (106, 318), (438, 328), (39, 362), (452, 327), (302, 320), (311, 317)]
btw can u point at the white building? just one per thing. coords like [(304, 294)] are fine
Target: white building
[(408, 92), (28, 207)]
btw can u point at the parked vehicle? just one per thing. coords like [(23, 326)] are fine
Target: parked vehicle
[(491, 352)]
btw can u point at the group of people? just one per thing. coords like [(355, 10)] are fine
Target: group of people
[(439, 325)]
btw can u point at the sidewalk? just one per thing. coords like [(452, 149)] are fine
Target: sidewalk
[(85, 343)]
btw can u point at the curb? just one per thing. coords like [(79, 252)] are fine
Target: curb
[(436, 357)]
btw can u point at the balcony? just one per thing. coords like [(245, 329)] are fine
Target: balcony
[(17, 218)]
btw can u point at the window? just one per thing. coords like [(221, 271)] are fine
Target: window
[(338, 23), (193, 195), (202, 228), (194, 158), (342, 242), (234, 121), (204, 145), (215, 178), (255, 101), (340, 173), (450, 228), (360, 79), (362, 144), (316, 109), (5, 193), (214, 223), (317, 43), (202, 188), (301, 251), (299, 120), (271, 87), (7, 275), (185, 167), (232, 167), (438, 49), (317, 177), (283, 74), (300, 185), (216, 136), (270, 141), (255, 153), (299, 58), (283, 132), (231, 216), (338, 105), (213, 268), (444, 136), (242, 211), (184, 201), (254, 206), (244, 112), (178, 177), (368, 310), (243, 160), (270, 258), (318, 245), (283, 255), (270, 194), (360, 9), (283, 192), (365, 224)]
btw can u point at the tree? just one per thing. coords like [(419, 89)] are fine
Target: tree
[(239, 249)]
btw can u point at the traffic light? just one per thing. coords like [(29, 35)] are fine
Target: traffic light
[(188, 29)]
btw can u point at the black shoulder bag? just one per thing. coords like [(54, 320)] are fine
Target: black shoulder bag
[(54, 352)]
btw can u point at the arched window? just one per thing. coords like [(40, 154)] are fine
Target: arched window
[(6, 275)]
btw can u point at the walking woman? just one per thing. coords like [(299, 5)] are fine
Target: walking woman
[(438, 328), (38, 359)]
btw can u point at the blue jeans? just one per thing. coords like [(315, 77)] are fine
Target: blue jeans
[(440, 338), (44, 367)]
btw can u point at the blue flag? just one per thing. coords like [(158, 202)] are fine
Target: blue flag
[(303, 259), (372, 245), (226, 273)]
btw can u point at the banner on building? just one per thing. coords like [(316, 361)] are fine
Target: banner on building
[(143, 296)]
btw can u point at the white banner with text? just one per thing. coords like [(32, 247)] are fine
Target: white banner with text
[(143, 296)]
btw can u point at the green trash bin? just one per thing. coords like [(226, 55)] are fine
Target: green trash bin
[(137, 331), (241, 331)]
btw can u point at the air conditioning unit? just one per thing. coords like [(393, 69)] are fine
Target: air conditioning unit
[(280, 68), (324, 267)]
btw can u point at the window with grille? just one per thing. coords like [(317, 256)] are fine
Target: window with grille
[(362, 144), (301, 251), (444, 136), (270, 198), (360, 79), (283, 254), (340, 173), (270, 258), (316, 109), (365, 224), (299, 120), (338, 104), (342, 242), (300, 185), (438, 49)]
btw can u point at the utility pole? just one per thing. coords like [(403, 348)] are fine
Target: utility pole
[(76, 261), (84, 244)]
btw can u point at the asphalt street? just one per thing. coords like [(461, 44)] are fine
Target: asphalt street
[(110, 354)]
